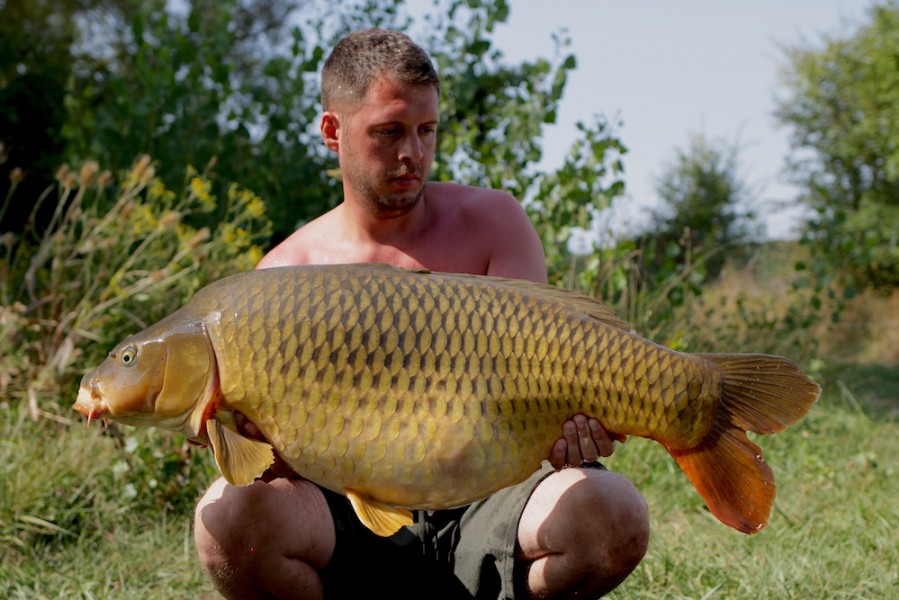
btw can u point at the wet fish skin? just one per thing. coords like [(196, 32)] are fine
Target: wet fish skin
[(422, 390)]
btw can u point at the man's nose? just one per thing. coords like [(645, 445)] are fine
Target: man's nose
[(411, 149)]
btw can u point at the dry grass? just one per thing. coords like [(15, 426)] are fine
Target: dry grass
[(763, 306), (868, 331)]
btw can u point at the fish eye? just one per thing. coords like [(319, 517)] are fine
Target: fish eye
[(129, 355)]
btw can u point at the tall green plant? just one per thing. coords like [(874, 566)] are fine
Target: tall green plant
[(705, 205), (566, 200), (614, 267), (117, 255), (493, 113)]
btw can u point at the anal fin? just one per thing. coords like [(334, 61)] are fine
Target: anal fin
[(383, 519)]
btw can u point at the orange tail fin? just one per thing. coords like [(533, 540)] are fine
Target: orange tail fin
[(760, 393)]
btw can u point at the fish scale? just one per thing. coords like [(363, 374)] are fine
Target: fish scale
[(409, 389)]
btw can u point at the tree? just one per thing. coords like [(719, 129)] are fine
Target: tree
[(222, 81), (841, 101), (493, 117), (36, 45), (215, 83), (704, 205), (493, 113), (236, 82)]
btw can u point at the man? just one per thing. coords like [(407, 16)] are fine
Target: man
[(563, 533)]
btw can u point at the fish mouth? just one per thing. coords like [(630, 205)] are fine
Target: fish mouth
[(89, 404)]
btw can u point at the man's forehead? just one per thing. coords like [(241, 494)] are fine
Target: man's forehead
[(386, 97), (385, 87)]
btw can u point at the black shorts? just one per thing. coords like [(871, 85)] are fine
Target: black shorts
[(466, 552)]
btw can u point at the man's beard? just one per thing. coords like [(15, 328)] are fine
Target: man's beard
[(367, 186)]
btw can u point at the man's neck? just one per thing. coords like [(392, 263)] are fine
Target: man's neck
[(363, 226)]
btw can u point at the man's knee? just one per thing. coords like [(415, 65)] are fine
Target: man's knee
[(223, 528), (242, 531), (588, 528), (619, 527)]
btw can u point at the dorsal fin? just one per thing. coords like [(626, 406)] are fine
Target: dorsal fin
[(587, 305)]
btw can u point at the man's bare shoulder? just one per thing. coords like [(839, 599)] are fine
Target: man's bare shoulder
[(483, 204), (296, 248), (491, 224), (456, 191)]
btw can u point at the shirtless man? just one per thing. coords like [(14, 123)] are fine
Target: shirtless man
[(565, 532)]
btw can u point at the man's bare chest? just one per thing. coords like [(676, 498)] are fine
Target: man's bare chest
[(435, 258)]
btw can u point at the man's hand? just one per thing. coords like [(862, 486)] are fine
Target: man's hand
[(279, 468), (583, 440)]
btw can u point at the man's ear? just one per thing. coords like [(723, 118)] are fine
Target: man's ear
[(330, 128)]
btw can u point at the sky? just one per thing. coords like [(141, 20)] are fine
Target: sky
[(671, 69)]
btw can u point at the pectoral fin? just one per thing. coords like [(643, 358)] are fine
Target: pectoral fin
[(381, 518), (240, 459)]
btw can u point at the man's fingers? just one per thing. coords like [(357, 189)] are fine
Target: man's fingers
[(588, 446), (246, 427), (569, 432), (583, 440), (279, 468), (604, 443), (559, 454)]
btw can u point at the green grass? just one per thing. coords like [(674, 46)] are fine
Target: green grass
[(834, 530), (81, 516), (86, 514), (147, 558)]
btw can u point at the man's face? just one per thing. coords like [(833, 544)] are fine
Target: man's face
[(387, 144)]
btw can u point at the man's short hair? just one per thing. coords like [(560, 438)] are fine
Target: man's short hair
[(362, 56)]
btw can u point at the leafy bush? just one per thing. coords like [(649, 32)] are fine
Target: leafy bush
[(762, 303), (116, 256), (238, 79), (840, 99)]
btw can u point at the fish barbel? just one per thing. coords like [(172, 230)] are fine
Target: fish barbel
[(409, 389)]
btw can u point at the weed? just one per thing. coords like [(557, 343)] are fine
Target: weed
[(833, 530), (111, 251)]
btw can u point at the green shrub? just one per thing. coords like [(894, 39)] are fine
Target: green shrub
[(116, 256)]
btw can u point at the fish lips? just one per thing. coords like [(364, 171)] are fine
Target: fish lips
[(87, 403)]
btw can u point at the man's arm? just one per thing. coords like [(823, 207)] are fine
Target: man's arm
[(517, 252)]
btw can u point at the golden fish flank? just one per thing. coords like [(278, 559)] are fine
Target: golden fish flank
[(408, 389)]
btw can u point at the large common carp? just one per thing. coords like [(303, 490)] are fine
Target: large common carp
[(409, 389)]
